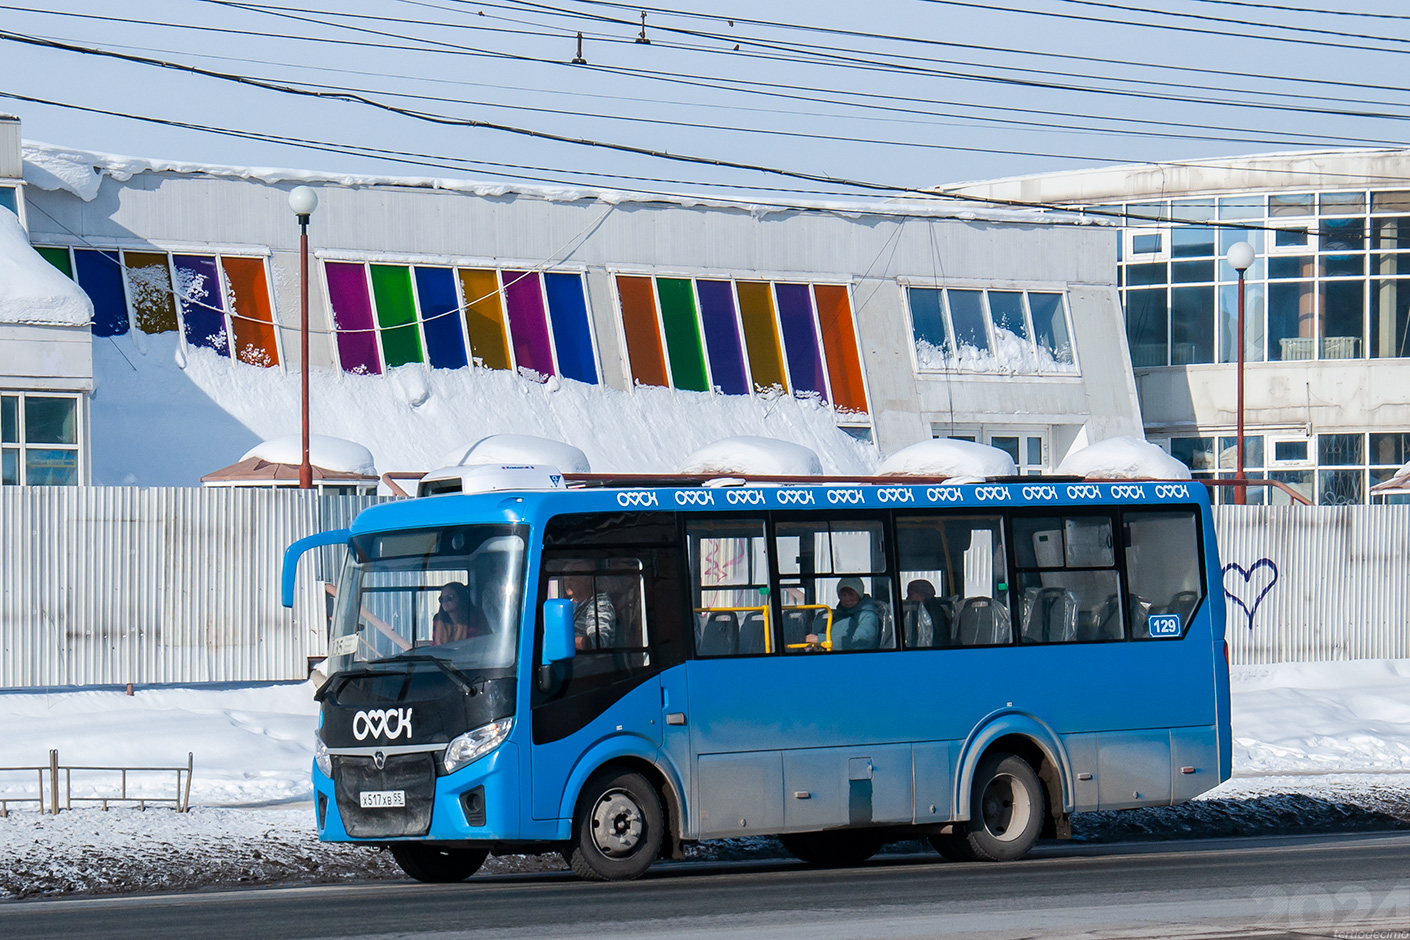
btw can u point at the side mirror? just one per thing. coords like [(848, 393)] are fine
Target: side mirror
[(559, 638)]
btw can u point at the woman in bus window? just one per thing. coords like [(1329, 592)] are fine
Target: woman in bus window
[(463, 619)]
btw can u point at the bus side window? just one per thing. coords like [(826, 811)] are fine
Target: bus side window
[(729, 570), (1163, 556), (954, 575), (609, 611), (1069, 589), (834, 585)]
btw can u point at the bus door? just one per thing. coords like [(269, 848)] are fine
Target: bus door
[(611, 688)]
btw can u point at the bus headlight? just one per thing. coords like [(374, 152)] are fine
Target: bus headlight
[(320, 756), (472, 745)]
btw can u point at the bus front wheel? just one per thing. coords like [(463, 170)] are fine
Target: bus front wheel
[(1006, 810), (425, 862), (618, 828), (832, 849)]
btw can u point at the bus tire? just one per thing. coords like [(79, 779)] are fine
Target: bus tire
[(1006, 809), (832, 849), (953, 846), (617, 829), (424, 861)]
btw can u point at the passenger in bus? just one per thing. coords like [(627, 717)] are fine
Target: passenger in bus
[(462, 618), (928, 619), (594, 614), (856, 621)]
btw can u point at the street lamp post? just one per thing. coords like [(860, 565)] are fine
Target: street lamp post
[(303, 200), (1240, 257)]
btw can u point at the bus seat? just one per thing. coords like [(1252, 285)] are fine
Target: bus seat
[(983, 622), (1049, 615), (796, 625), (721, 634), (945, 614), (1183, 603), (1108, 620), (886, 637), (1140, 609), (918, 625), (751, 634)]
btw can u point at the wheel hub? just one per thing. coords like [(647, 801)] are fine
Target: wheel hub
[(617, 824), (1005, 807)]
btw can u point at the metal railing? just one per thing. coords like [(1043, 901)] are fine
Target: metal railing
[(49, 802)]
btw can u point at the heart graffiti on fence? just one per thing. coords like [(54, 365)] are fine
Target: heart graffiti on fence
[(1250, 586)]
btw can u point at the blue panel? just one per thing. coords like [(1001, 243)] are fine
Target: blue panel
[(100, 276), (722, 336), (800, 338), (202, 306), (440, 318), (572, 338)]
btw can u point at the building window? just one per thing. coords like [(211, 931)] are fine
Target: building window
[(389, 315), (10, 199), (741, 337), (39, 437), (219, 302), (1004, 331), (1328, 470)]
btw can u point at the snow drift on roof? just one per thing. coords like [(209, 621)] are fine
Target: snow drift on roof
[(759, 456), (519, 449), (330, 453), (962, 461), (32, 291), (1123, 458)]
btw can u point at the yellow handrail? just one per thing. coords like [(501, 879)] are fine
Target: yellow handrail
[(826, 644), (768, 633)]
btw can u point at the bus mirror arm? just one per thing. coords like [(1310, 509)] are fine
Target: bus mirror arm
[(296, 551)]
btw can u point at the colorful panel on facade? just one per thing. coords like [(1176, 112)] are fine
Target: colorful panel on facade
[(721, 326), (572, 334), (528, 321), (396, 314), (251, 315), (198, 290), (839, 336), (756, 314), (352, 317), (58, 257), (440, 318), (484, 318), (800, 338), (681, 326), (642, 330), (150, 292), (100, 276)]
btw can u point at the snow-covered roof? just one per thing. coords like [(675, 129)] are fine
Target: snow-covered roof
[(1123, 458), (761, 456), (32, 291), (51, 167), (330, 453), (962, 461)]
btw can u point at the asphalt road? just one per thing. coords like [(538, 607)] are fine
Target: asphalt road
[(1343, 886)]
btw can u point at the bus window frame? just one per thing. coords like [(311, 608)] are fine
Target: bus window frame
[(1195, 510)]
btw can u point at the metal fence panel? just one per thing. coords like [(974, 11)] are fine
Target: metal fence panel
[(109, 585), (1316, 583)]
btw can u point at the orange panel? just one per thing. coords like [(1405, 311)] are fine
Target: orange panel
[(250, 311), (756, 313), (484, 317), (645, 357), (839, 335)]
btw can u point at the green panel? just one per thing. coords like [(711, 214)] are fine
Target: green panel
[(396, 314), (682, 327), (58, 257)]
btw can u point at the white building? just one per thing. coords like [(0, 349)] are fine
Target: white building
[(635, 327), (1327, 319)]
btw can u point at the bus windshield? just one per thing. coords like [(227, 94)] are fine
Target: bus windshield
[(453, 594)]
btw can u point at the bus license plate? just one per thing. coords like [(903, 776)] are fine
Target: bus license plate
[(382, 799)]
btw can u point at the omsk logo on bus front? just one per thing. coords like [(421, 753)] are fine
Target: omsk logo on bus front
[(390, 724)]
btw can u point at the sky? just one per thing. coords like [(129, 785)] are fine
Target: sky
[(863, 99)]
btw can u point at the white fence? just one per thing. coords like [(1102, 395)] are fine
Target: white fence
[(1316, 583), (109, 585)]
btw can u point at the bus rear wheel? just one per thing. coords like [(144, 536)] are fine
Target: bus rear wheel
[(1006, 810), (831, 849), (618, 828), (425, 862)]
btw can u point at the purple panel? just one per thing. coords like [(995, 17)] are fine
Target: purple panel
[(352, 317), (202, 307), (800, 338), (722, 336), (528, 321)]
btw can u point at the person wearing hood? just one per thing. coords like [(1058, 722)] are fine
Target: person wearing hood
[(856, 621)]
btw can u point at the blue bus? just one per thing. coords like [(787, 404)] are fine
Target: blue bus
[(617, 670)]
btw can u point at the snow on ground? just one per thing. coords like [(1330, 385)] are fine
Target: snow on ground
[(1321, 746), (167, 416)]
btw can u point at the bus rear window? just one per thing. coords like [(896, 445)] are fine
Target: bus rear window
[(1163, 570)]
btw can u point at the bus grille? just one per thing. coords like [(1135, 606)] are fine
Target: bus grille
[(415, 774)]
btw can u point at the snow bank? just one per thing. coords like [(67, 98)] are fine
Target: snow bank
[(32, 291), (330, 453), (962, 461), (1123, 458), (161, 418), (518, 449), (762, 456)]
